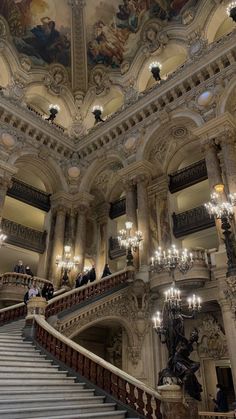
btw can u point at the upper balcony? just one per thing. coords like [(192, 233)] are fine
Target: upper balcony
[(25, 237), (188, 176), (191, 221), (29, 195)]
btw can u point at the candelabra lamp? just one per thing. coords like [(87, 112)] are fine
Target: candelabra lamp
[(155, 69), (3, 237), (130, 242), (53, 109), (231, 10), (223, 209), (97, 112), (171, 259), (169, 325), (66, 264)]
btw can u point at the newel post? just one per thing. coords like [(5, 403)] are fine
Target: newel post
[(175, 404), (35, 306)]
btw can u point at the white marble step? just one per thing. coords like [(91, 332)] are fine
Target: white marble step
[(40, 412), (16, 350), (45, 369), (28, 388), (16, 345), (20, 355), (32, 374), (121, 414), (35, 381), (44, 363), (66, 400), (60, 392)]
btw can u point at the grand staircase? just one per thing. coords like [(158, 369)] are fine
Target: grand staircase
[(31, 386)]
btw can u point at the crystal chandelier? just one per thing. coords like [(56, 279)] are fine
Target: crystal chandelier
[(67, 263), (129, 242), (171, 259), (219, 208), (231, 10)]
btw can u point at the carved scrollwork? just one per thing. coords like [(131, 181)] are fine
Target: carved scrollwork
[(212, 339), (99, 80), (56, 78), (153, 38), (4, 29)]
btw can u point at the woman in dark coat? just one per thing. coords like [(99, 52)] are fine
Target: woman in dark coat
[(106, 271)]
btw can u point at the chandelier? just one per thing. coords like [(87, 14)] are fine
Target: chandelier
[(66, 262), (223, 209), (171, 259), (129, 242), (155, 69), (231, 10)]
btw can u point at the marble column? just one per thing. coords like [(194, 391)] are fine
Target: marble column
[(229, 321), (102, 237), (80, 237), (5, 183), (143, 219), (58, 244), (214, 175), (227, 142)]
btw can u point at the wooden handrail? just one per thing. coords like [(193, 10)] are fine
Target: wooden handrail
[(123, 387), (216, 415), (86, 292)]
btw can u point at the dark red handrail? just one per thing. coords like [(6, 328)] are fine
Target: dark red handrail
[(16, 312), (124, 388), (84, 293)]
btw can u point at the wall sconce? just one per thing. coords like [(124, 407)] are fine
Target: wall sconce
[(155, 69), (97, 111), (53, 109)]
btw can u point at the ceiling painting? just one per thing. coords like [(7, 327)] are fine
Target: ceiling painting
[(112, 27), (40, 29)]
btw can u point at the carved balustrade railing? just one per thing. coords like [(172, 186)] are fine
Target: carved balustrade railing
[(188, 176), (186, 81), (21, 280), (191, 221), (216, 415), (117, 208), (115, 251), (89, 291), (30, 195), (172, 92), (22, 236), (142, 399), (15, 312)]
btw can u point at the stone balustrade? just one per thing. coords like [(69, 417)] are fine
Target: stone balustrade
[(89, 291), (121, 386), (188, 79)]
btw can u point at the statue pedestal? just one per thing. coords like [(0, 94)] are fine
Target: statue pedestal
[(175, 404)]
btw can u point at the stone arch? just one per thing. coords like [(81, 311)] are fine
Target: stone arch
[(97, 167), (229, 95), (121, 320), (168, 137), (218, 24), (171, 58), (40, 98), (29, 162)]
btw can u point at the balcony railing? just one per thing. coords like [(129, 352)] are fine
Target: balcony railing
[(216, 415), (117, 208), (115, 251), (188, 176), (22, 236), (191, 221), (29, 195)]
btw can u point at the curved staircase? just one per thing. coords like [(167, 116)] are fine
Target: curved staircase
[(32, 386)]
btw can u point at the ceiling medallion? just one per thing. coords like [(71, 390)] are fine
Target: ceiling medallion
[(179, 132)]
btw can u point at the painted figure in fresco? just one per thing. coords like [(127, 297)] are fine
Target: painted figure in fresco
[(43, 42)]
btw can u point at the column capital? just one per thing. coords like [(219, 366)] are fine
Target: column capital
[(133, 170), (143, 178), (228, 136), (102, 212), (80, 4)]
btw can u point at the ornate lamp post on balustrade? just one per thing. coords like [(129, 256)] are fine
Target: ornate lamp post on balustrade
[(223, 210), (155, 69), (129, 242), (3, 236), (169, 325), (66, 263)]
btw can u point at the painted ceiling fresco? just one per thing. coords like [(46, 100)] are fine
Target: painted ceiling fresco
[(40, 29), (112, 26)]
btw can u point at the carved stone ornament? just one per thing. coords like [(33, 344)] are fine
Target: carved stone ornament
[(99, 80), (56, 79), (212, 339), (26, 63), (152, 38), (230, 293), (15, 90), (197, 44), (4, 31)]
